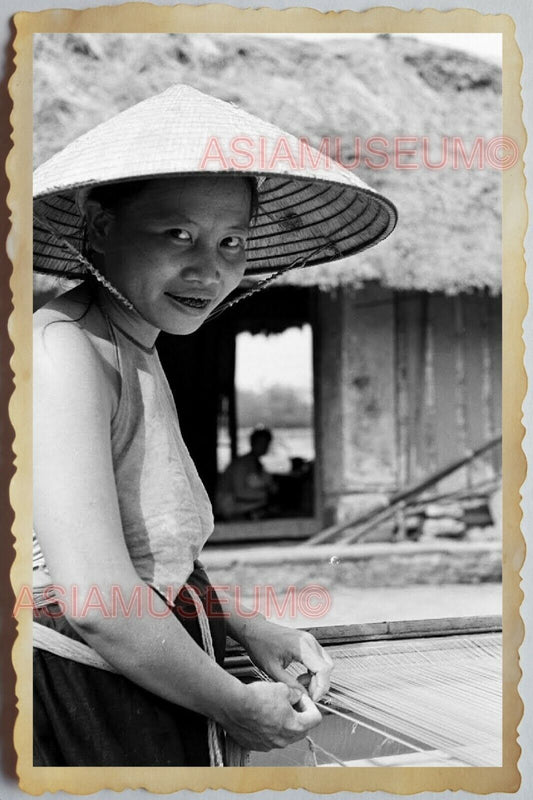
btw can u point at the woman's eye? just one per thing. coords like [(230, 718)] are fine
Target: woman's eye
[(233, 242), (180, 234)]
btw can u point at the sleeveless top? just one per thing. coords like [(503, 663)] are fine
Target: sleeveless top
[(165, 510)]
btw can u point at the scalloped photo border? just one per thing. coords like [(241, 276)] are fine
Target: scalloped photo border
[(147, 18)]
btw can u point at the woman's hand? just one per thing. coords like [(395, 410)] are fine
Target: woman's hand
[(267, 719), (273, 647)]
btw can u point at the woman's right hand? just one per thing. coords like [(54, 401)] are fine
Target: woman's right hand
[(272, 715)]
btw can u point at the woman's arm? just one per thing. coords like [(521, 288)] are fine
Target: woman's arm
[(77, 520)]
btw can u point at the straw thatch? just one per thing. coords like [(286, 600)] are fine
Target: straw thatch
[(448, 237)]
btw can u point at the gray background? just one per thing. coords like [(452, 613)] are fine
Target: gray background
[(520, 11)]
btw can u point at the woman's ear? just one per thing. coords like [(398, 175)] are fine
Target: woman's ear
[(99, 222)]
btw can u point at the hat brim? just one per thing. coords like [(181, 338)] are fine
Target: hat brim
[(310, 220)]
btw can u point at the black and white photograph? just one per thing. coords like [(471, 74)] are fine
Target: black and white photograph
[(267, 399)]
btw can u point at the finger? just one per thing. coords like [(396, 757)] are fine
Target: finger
[(279, 674), (313, 656), (305, 679), (319, 663), (308, 714), (295, 695), (320, 683)]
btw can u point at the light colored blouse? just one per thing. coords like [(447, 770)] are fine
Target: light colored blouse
[(165, 510)]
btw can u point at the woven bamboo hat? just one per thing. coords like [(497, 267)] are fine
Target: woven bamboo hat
[(310, 209)]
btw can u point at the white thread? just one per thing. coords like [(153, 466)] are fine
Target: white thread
[(439, 694)]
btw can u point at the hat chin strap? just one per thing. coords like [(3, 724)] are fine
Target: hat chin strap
[(298, 263), (90, 268), (112, 289)]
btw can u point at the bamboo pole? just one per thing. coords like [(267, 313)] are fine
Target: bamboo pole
[(375, 515)]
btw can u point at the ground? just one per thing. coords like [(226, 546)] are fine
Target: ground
[(353, 605), (372, 583)]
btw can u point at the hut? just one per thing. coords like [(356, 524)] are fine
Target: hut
[(407, 336), (405, 381)]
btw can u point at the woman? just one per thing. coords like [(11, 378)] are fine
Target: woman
[(120, 515)]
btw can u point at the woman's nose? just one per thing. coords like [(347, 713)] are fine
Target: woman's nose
[(203, 268)]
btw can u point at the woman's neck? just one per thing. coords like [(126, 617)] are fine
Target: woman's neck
[(130, 322)]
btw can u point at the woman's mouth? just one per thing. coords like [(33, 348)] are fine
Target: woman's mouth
[(197, 303)]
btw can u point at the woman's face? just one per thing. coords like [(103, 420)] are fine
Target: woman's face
[(176, 249)]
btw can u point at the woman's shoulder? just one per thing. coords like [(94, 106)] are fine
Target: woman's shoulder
[(72, 306), (70, 336), (72, 317)]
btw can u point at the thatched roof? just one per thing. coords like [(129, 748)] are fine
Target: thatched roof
[(448, 237)]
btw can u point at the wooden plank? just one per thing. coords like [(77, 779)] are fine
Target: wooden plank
[(495, 345), (368, 385), (414, 311), (362, 523), (328, 397), (318, 401), (477, 380), (337, 635), (402, 392), (214, 557), (427, 456), (447, 441), (460, 381), (299, 528), (232, 397)]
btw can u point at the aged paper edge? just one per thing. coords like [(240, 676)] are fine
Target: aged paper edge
[(148, 18)]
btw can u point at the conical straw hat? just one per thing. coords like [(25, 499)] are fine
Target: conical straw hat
[(311, 209)]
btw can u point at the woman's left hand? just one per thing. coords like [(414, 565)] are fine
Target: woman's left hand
[(273, 647)]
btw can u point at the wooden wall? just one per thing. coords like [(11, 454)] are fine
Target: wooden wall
[(448, 383), (354, 399), (405, 384)]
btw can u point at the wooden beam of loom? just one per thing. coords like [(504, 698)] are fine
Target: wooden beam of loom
[(433, 688)]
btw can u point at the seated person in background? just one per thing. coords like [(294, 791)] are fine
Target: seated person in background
[(245, 489)]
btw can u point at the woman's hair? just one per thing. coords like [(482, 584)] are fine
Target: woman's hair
[(111, 195)]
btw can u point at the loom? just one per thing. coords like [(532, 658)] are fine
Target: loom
[(413, 693)]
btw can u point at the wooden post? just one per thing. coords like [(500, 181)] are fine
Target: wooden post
[(327, 350), (355, 399), (429, 442), (493, 372), (316, 343), (460, 381), (232, 400), (401, 406)]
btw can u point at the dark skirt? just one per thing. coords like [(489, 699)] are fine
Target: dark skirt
[(87, 717)]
